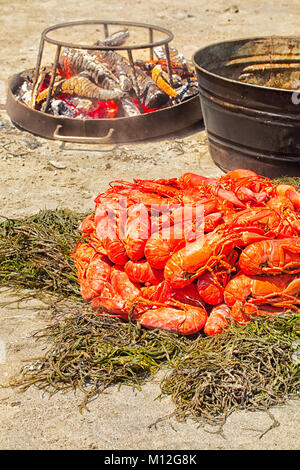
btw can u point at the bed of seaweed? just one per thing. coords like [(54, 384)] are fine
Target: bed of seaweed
[(250, 367)]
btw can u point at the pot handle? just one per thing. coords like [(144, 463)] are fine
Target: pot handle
[(82, 140)]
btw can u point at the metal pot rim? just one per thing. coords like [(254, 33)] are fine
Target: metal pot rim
[(119, 119), (231, 80)]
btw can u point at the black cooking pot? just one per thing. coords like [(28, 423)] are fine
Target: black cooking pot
[(250, 103)]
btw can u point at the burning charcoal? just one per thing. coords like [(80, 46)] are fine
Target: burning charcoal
[(115, 39), (108, 68), (187, 91), (151, 95), (178, 58), (149, 66), (175, 56), (178, 62), (145, 66), (104, 110), (105, 84), (75, 61), (177, 80), (43, 80), (125, 82), (154, 98), (129, 108)]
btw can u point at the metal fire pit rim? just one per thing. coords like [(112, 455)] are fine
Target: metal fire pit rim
[(118, 119), (18, 111), (231, 80), (168, 39)]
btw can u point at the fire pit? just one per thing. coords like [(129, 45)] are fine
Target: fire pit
[(250, 103), (115, 86)]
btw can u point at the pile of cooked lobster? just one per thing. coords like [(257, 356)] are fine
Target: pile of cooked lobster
[(192, 253)]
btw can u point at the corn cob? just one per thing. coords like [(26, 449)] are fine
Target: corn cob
[(161, 82)]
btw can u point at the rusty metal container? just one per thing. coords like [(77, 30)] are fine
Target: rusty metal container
[(250, 103), (101, 131)]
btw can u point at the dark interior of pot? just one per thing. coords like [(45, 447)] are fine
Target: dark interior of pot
[(270, 62)]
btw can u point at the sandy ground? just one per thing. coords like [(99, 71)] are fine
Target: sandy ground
[(36, 173)]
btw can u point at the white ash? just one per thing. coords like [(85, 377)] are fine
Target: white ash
[(177, 80), (60, 108), (25, 92), (186, 91), (160, 52), (82, 103)]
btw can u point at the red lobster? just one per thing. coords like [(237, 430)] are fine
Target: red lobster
[(261, 295), (271, 257)]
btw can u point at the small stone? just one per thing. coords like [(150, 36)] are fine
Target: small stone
[(33, 144), (4, 126), (232, 9)]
